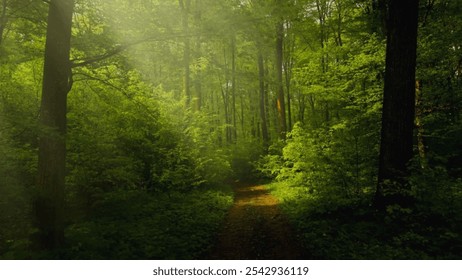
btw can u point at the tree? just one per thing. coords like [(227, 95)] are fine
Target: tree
[(263, 108), (396, 148), (280, 86), (3, 19), (57, 82), (185, 8)]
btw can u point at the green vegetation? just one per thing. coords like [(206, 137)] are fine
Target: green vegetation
[(123, 226), (335, 228), (123, 124), (135, 225)]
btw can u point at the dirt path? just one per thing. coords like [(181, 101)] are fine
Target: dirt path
[(255, 228)]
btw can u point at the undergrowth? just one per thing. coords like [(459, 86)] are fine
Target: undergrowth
[(351, 229), (139, 225), (134, 225)]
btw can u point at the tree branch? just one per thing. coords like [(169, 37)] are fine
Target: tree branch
[(128, 95), (79, 62)]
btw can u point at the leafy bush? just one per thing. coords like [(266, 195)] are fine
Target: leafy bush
[(125, 139), (326, 161)]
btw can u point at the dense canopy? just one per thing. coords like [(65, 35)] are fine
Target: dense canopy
[(125, 126)]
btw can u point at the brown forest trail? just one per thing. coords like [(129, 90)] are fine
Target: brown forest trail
[(255, 228)]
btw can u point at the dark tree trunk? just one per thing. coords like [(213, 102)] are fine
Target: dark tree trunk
[(396, 149), (241, 99), (49, 201), (261, 77), (233, 82), (3, 19)]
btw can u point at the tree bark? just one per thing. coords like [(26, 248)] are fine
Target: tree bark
[(322, 9), (233, 82), (3, 19), (261, 77), (288, 65), (185, 7), (226, 99), (49, 201), (279, 63), (396, 149), (198, 77)]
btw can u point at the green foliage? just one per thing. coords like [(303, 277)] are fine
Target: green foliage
[(141, 163), (16, 172), (327, 162), (335, 154), (243, 157), (439, 76), (19, 102), (134, 225), (330, 228), (437, 191), (210, 159)]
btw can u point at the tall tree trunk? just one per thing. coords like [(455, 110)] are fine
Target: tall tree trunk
[(3, 19), (322, 9), (301, 106), (338, 29), (226, 99), (398, 103), (185, 7), (280, 85), (225, 96), (289, 104), (198, 100), (241, 99), (288, 65), (233, 81), (261, 77), (266, 96), (49, 202), (198, 77)]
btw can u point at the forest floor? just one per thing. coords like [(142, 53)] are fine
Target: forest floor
[(255, 228)]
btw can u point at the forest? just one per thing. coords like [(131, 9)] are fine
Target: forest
[(230, 129)]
